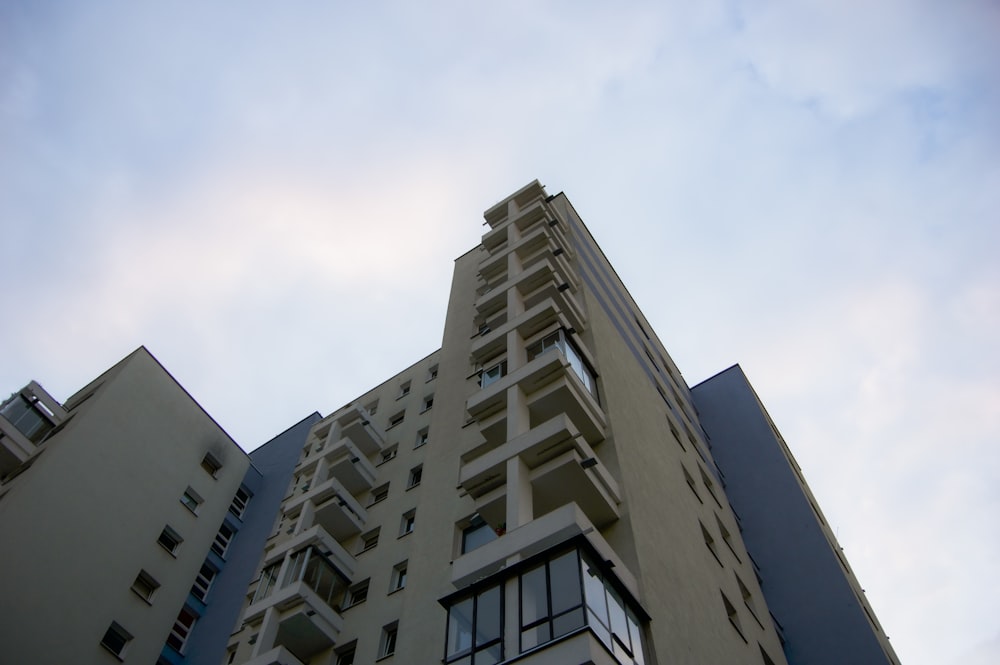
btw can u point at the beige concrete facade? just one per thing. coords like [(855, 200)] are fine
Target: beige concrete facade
[(82, 518), (559, 421)]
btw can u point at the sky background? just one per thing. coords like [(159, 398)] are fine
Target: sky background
[(269, 196)]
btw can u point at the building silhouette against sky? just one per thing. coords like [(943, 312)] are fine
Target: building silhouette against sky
[(544, 488)]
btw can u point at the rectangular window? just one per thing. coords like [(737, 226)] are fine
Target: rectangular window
[(709, 485), (181, 631), (387, 645), (551, 600), (709, 542), (239, 505), (404, 390), (734, 617), (145, 586), (416, 473), (398, 577), (475, 629), (222, 539), (407, 522), (428, 403), (388, 454), (203, 582), (380, 493), (432, 373), (610, 616), (477, 534), (169, 540), (421, 438), (372, 408), (345, 655), (211, 464), (369, 540), (357, 594), (191, 500), (726, 537), (116, 639), (690, 483), (396, 419), (493, 374)]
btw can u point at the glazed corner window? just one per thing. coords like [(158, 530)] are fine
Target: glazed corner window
[(493, 374), (116, 639), (475, 629), (551, 600), (559, 340)]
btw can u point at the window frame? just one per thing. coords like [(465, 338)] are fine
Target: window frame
[(474, 647), (145, 586), (169, 533), (116, 630), (211, 464)]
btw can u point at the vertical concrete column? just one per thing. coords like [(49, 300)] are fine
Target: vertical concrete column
[(520, 510), (321, 474), (306, 516), (268, 632)]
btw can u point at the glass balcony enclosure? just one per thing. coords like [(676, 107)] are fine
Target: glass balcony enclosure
[(559, 340), (308, 565), (558, 597)]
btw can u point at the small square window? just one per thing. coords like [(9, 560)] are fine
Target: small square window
[(169, 540), (369, 540), (398, 577), (211, 464), (388, 454), (191, 500), (432, 373), (407, 523), (422, 437), (372, 408), (380, 493), (428, 403), (345, 654), (404, 390), (397, 419), (415, 474), (387, 645), (357, 594), (116, 639), (145, 586)]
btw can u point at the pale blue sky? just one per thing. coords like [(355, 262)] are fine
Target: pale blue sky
[(260, 192)]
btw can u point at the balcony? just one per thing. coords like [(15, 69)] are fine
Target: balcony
[(306, 604), (536, 319), (337, 511), (349, 465), (550, 269), (542, 241), (356, 426), (552, 387), (563, 467), (318, 537), (538, 535)]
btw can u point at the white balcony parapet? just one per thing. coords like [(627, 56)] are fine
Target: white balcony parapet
[(538, 535), (276, 656), (549, 310)]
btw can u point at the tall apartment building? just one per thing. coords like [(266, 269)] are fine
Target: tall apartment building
[(544, 488)]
